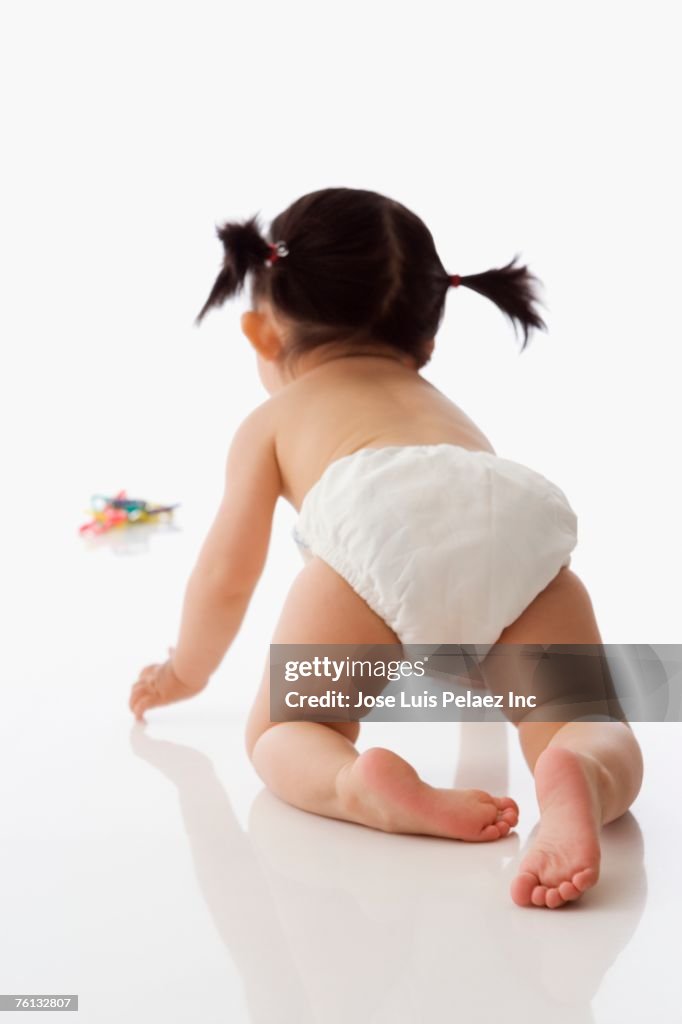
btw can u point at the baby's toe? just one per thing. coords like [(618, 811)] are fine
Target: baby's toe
[(522, 888), (505, 803), (539, 896), (490, 832), (583, 880), (568, 891), (553, 899)]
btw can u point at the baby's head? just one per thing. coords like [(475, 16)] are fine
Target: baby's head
[(350, 271)]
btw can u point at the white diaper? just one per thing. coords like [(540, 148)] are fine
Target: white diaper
[(446, 545)]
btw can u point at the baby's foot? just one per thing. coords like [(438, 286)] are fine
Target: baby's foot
[(563, 861), (382, 791)]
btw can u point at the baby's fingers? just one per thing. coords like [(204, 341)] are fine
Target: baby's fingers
[(142, 705), (149, 672), (138, 689), (143, 699)]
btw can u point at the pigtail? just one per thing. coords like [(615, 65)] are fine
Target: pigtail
[(512, 290), (244, 248)]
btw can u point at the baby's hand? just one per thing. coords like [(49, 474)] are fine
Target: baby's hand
[(158, 684)]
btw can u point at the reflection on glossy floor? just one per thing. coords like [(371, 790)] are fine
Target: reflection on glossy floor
[(342, 923)]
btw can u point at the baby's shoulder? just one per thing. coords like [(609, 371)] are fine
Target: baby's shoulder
[(265, 426), (261, 422)]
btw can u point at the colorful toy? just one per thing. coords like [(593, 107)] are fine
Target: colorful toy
[(108, 513)]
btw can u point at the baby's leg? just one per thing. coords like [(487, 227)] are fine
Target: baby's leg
[(316, 767), (586, 773)]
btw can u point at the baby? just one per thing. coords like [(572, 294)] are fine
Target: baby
[(346, 302)]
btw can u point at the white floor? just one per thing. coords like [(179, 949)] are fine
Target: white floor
[(146, 870)]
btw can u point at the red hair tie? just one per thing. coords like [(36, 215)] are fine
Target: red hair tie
[(455, 280), (277, 250)]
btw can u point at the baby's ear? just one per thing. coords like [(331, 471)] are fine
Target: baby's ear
[(252, 327), (261, 334), (247, 324)]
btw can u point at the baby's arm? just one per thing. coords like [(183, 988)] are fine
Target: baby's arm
[(229, 565), (233, 554)]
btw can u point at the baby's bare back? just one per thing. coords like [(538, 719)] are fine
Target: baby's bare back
[(360, 402)]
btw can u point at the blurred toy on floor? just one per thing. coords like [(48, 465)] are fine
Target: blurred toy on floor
[(107, 513)]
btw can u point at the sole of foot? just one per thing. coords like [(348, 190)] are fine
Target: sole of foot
[(563, 860)]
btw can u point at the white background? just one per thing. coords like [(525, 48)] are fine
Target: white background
[(128, 131)]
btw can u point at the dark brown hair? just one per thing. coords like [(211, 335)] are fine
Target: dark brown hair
[(360, 268)]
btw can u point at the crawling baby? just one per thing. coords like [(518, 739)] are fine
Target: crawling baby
[(411, 529)]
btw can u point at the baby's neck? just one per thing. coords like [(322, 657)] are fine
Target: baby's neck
[(318, 358)]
